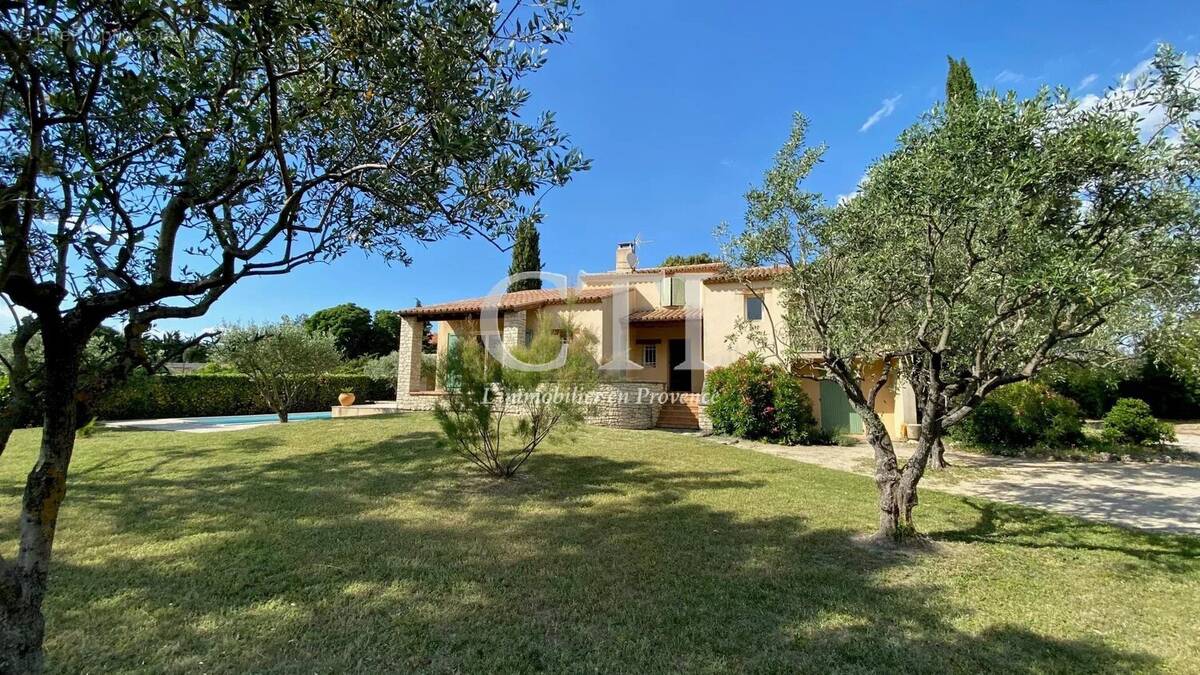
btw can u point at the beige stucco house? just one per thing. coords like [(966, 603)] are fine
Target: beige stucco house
[(672, 324)]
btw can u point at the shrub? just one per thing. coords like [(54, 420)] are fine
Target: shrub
[(486, 394), (1093, 388), (382, 367), (1132, 421), (1022, 415), (750, 399)]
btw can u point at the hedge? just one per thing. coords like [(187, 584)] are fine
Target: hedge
[(208, 395)]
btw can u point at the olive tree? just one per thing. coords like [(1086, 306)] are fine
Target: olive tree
[(990, 244), (157, 153), (283, 360)]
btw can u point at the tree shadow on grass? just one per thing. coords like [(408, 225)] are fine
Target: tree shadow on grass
[(1012, 525), (375, 557)]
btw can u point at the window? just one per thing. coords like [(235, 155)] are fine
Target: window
[(650, 356), (754, 308)]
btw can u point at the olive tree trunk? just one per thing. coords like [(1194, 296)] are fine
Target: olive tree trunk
[(23, 580), (887, 475), (897, 485)]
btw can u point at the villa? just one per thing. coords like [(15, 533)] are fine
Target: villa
[(677, 325)]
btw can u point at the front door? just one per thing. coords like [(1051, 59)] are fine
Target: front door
[(680, 380), (836, 413)]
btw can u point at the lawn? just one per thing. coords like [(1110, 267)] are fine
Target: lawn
[(362, 545)]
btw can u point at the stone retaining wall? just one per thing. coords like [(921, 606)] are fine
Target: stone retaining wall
[(626, 405)]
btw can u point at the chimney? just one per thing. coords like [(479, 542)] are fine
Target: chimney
[(626, 256)]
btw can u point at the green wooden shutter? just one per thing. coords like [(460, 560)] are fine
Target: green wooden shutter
[(677, 291)]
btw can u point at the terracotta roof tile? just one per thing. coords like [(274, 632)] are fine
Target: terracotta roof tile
[(663, 314), (512, 301), (747, 274), (684, 269)]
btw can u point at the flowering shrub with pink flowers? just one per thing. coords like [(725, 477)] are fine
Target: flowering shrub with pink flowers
[(752, 399)]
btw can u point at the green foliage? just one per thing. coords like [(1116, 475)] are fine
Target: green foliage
[(526, 256), (150, 397), (1022, 415), (281, 360), (1132, 421), (382, 367), (1171, 391), (960, 84), (350, 326), (995, 240), (693, 259), (385, 331), (496, 415), (357, 333), (175, 346), (87, 430), (1093, 388), (751, 399)]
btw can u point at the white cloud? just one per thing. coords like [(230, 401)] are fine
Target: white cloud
[(1087, 81), (1125, 95), (843, 198), (1128, 80), (1009, 77), (888, 107)]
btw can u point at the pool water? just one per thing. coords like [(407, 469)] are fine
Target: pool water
[(255, 419)]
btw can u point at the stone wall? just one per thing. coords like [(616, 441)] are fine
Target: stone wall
[(626, 405), (705, 420)]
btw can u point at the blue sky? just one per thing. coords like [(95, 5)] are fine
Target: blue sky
[(681, 105)]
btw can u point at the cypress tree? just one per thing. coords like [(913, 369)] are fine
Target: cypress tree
[(960, 84), (526, 257)]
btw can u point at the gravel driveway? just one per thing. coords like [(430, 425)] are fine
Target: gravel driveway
[(1163, 497)]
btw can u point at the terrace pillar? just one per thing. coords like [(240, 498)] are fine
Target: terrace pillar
[(514, 329), (408, 370)]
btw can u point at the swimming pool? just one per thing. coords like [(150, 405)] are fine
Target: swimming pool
[(258, 419), (217, 423)]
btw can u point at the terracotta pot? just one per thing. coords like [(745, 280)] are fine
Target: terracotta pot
[(346, 398)]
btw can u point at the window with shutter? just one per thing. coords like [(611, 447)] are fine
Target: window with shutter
[(677, 299)]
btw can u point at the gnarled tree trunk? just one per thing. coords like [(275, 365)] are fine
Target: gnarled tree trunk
[(23, 580), (938, 457), (887, 475)]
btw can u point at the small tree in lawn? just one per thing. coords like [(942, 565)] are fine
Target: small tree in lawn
[(156, 155), (496, 416), (283, 361), (993, 242)]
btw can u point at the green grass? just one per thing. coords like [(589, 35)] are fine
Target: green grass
[(361, 545)]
